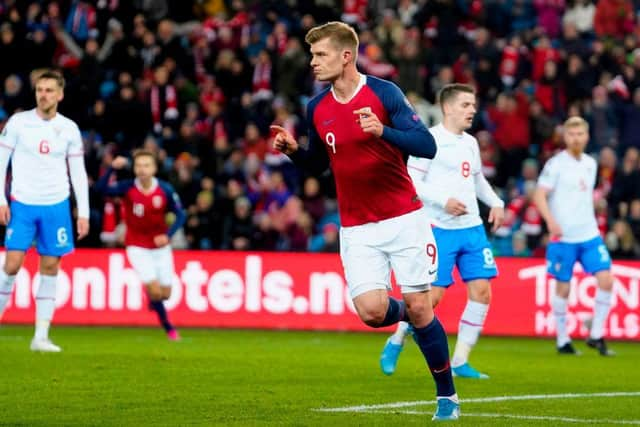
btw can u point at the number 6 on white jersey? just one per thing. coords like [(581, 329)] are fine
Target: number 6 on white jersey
[(330, 138)]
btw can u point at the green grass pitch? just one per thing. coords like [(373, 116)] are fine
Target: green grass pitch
[(135, 377)]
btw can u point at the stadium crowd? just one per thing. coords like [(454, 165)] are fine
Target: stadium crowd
[(199, 82)]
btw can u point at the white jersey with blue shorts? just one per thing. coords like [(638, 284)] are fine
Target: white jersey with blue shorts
[(456, 172), (44, 155), (570, 182)]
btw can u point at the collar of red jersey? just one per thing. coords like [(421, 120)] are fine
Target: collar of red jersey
[(154, 185), (361, 83)]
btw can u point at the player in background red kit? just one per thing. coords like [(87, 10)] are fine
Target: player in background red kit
[(147, 200), (363, 128)]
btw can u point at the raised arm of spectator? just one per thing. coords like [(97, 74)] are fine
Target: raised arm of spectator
[(68, 41)]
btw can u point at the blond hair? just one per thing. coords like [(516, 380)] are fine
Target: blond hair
[(142, 152), (342, 35), (52, 75), (576, 121)]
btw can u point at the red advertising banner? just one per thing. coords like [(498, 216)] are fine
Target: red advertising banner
[(302, 291)]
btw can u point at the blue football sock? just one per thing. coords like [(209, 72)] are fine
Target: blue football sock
[(432, 341), (396, 312), (158, 307)]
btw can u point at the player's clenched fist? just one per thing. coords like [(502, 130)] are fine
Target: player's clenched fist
[(283, 141), (161, 240), (369, 122), (455, 207), (119, 162)]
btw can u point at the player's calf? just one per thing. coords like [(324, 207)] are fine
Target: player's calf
[(154, 292)]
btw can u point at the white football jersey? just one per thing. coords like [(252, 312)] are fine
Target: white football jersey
[(454, 172), (570, 183), (39, 159)]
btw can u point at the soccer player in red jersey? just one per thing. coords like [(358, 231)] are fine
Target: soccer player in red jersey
[(147, 200), (363, 128)]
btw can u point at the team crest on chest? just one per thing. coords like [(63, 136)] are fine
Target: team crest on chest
[(156, 201)]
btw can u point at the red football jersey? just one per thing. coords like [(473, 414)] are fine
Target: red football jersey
[(145, 212), (372, 181)]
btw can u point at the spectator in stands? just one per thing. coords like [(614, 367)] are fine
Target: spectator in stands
[(580, 14), (613, 18), (626, 184), (509, 119), (621, 242)]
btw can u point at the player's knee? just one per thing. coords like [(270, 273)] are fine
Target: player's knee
[(12, 268), (605, 281), (481, 295), (154, 293), (417, 308), (49, 266), (420, 313), (13, 262), (372, 314), (373, 317), (372, 307), (435, 302), (563, 289)]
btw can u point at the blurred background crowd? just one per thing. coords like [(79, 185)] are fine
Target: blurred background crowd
[(198, 82)]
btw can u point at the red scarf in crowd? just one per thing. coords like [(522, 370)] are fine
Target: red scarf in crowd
[(262, 77), (170, 105)]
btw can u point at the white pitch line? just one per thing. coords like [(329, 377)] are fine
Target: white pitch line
[(549, 418), (519, 417), (364, 408)]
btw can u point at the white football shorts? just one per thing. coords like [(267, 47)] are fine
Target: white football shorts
[(152, 264), (404, 244)]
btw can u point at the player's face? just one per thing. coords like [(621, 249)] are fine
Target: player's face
[(144, 167), (461, 110), (576, 138), (327, 61), (48, 95)]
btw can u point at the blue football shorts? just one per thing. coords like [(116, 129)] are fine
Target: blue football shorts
[(48, 226), (562, 256), (467, 249)]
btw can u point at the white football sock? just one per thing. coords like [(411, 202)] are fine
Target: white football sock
[(6, 288), (600, 313), (45, 305), (559, 306), (400, 333), (469, 328)]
